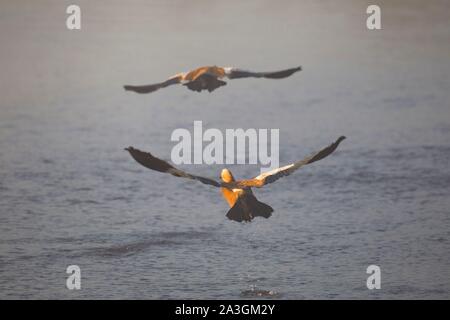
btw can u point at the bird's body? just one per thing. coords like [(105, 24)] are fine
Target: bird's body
[(230, 195), (238, 193), (243, 204), (210, 70), (209, 78)]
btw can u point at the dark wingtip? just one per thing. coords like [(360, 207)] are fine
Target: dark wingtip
[(341, 138), (128, 149)]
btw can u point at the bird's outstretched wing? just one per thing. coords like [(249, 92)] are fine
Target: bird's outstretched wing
[(235, 73), (153, 87), (274, 175), (149, 161)]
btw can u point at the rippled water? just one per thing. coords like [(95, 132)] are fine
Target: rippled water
[(69, 194)]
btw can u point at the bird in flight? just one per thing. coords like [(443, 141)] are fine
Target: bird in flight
[(209, 78), (238, 193)]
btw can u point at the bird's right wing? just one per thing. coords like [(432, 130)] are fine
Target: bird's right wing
[(149, 161), (153, 87), (235, 73), (274, 175)]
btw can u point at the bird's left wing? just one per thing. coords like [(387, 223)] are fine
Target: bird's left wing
[(235, 73), (153, 87), (149, 161), (274, 175)]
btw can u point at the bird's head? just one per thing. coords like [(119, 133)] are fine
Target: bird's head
[(226, 176)]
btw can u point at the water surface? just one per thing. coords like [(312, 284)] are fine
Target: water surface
[(69, 194)]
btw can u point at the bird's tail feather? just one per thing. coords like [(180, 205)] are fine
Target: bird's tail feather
[(247, 207), (205, 83)]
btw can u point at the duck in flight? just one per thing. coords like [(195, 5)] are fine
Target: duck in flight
[(238, 193), (209, 78)]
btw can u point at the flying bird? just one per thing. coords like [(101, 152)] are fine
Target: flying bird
[(209, 78), (238, 193)]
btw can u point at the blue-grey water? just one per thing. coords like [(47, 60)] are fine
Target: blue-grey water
[(70, 194)]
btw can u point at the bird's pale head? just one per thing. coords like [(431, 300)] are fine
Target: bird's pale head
[(226, 176)]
